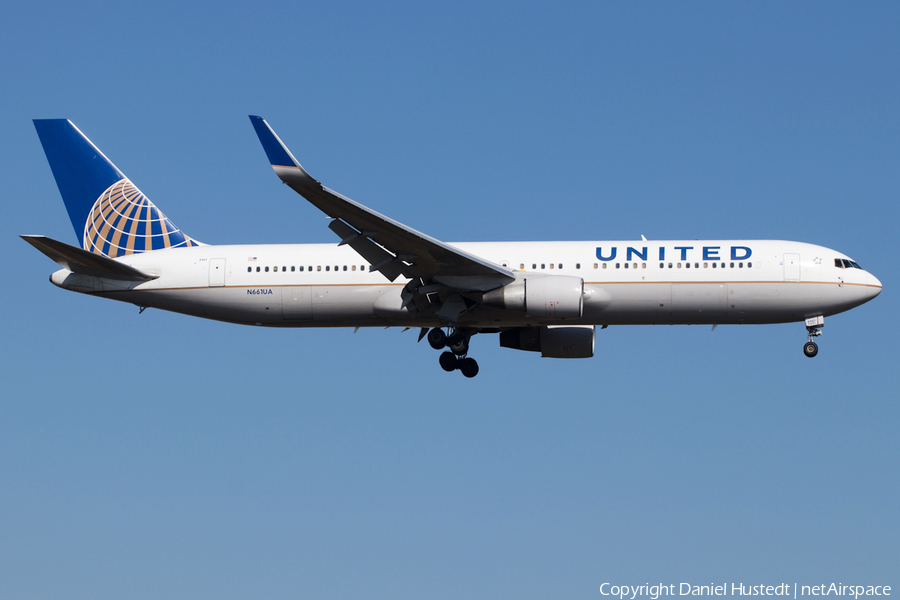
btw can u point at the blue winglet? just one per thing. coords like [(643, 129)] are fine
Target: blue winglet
[(278, 154)]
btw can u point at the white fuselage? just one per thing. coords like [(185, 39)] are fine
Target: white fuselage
[(642, 282)]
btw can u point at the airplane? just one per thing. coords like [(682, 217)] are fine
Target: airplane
[(546, 297)]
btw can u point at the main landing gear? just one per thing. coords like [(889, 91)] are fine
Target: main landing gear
[(810, 348), (455, 358)]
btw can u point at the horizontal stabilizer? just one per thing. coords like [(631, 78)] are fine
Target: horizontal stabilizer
[(84, 262)]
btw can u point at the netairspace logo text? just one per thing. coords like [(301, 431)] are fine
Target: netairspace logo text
[(654, 592)]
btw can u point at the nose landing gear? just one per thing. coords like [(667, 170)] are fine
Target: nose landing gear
[(810, 348), (455, 358)]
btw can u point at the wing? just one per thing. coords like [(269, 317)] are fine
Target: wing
[(389, 246)]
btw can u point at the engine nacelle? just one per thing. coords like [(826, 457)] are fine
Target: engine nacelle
[(552, 341), (545, 297)]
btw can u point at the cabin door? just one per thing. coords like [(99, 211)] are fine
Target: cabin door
[(216, 272), (792, 267)]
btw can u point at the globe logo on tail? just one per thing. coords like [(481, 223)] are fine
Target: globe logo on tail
[(123, 221)]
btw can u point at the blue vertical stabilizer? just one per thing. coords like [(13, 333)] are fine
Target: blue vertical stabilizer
[(82, 172), (110, 215)]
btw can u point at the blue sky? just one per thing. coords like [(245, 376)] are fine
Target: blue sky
[(156, 455)]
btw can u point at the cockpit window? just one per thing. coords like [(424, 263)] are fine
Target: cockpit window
[(843, 263)]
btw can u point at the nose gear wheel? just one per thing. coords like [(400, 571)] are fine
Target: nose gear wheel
[(810, 348)]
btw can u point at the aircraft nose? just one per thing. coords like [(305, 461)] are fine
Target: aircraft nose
[(873, 286)]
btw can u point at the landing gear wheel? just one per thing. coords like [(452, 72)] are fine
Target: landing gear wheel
[(468, 367), (810, 349), (437, 338), (449, 362), (458, 345)]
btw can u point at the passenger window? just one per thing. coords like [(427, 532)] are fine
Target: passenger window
[(749, 265), (577, 265), (543, 265), (595, 265), (670, 265), (687, 265), (352, 267), (267, 269), (617, 265), (732, 265), (696, 265), (249, 269), (257, 269), (318, 267), (643, 265), (662, 265), (705, 265), (551, 265), (521, 266), (533, 266), (301, 268), (626, 265), (679, 265), (560, 265), (345, 267), (741, 265)]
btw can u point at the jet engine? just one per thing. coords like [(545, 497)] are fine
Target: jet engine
[(549, 296), (552, 341)]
